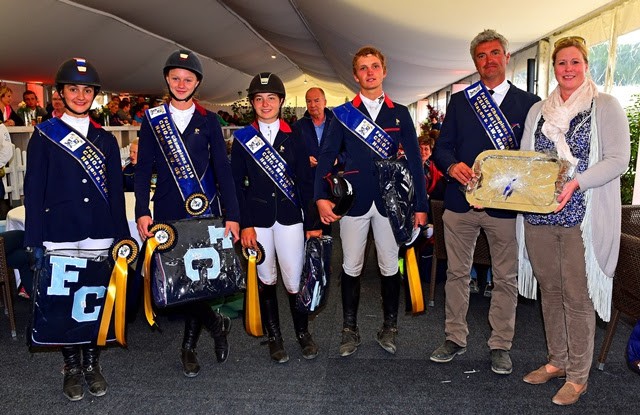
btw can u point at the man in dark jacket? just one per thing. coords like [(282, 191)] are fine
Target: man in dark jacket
[(461, 139), (313, 127)]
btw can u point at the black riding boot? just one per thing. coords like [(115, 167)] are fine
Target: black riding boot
[(271, 322), (73, 384), (350, 301), (301, 327), (390, 290), (92, 370), (192, 328), (219, 326)]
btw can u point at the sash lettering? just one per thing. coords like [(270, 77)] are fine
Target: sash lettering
[(80, 149), (176, 155), (492, 119), (269, 161), (365, 129)]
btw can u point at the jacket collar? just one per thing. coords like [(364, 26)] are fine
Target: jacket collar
[(357, 101), (284, 127)]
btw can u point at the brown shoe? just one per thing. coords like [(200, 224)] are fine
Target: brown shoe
[(540, 376), (567, 395)]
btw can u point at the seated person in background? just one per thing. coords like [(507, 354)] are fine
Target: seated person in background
[(123, 111), (435, 124), (129, 171), (57, 106), (141, 100), (114, 119), (33, 110), (9, 117), (17, 258), (138, 117), (435, 184)]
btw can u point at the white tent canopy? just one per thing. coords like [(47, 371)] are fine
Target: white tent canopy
[(306, 42)]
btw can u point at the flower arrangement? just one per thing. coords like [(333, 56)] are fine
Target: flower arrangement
[(25, 113), (425, 125), (22, 109), (242, 108)]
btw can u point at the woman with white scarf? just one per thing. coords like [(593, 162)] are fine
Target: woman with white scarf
[(572, 252)]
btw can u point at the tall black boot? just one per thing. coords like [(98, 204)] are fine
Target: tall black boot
[(350, 301), (301, 327), (219, 326), (73, 384), (271, 322), (390, 290), (192, 328), (92, 370)]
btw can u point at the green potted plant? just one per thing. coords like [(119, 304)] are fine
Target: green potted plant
[(627, 179)]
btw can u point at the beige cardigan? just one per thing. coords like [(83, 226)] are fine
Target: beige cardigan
[(608, 159)]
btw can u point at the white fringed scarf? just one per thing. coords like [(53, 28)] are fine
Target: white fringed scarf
[(599, 284), (558, 114)]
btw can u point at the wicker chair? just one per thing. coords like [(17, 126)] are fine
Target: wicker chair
[(481, 255), (631, 220), (5, 290), (626, 284)]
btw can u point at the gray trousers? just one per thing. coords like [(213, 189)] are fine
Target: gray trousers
[(557, 259), (461, 231)]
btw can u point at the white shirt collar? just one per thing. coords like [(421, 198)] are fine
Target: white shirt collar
[(182, 117), (270, 131), (81, 125), (500, 91), (373, 105)]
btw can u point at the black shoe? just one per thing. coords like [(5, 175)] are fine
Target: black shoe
[(488, 289), (350, 341), (190, 366), (473, 287), (276, 350), (73, 384), (501, 362), (446, 352), (222, 345), (309, 347), (387, 338), (95, 381)]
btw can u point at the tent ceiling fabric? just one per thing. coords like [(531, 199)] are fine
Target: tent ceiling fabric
[(426, 42)]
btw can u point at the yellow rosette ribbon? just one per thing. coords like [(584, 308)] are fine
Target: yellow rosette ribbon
[(123, 252), (413, 276), (164, 238), (252, 317)]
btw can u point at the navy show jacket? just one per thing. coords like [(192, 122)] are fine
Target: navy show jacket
[(207, 149), (62, 204), (463, 137), (262, 203), (395, 120)]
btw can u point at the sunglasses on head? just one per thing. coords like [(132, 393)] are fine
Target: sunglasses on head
[(570, 39)]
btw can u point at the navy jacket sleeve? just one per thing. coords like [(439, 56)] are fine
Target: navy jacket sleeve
[(304, 181), (144, 169), (34, 190), (240, 172)]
